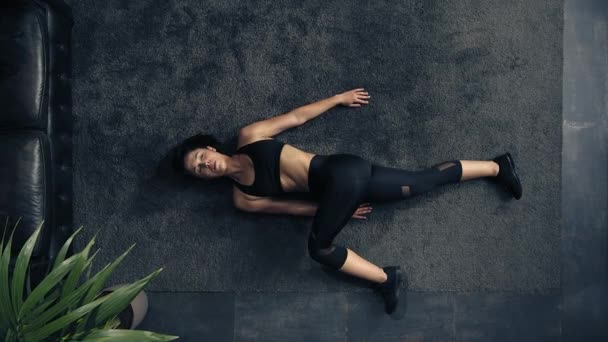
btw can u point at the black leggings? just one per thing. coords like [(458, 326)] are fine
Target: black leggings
[(341, 182)]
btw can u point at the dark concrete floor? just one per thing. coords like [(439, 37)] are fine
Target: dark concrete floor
[(578, 313), (584, 171)]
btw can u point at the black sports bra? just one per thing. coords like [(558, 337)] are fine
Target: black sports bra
[(266, 156)]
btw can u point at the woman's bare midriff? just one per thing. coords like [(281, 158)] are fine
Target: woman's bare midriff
[(294, 169)]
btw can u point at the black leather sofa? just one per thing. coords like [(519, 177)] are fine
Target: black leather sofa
[(36, 125)]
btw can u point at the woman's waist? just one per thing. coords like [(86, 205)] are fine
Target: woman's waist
[(294, 171), (315, 178), (316, 162)]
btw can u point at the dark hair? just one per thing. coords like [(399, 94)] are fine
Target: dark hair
[(190, 144)]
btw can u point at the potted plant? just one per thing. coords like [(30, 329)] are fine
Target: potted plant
[(67, 305)]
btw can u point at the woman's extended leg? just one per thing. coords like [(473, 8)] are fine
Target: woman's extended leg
[(389, 184), (472, 169), (359, 267)]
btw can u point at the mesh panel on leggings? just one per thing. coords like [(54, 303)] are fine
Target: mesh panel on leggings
[(445, 166), (327, 251)]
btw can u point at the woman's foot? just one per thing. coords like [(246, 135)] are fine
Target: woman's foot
[(390, 288), (507, 176)]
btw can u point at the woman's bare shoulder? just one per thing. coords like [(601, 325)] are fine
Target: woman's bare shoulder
[(246, 139)]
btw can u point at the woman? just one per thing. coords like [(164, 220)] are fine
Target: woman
[(343, 185)]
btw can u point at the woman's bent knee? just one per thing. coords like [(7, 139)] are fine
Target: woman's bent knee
[(449, 172), (332, 256)]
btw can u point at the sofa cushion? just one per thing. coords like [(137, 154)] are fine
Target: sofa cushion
[(23, 65), (26, 185)]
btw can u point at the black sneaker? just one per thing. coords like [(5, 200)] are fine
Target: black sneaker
[(507, 176), (390, 288)]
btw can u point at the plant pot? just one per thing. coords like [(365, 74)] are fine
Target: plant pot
[(133, 314)]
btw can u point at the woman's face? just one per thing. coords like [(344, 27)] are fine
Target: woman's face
[(205, 163)]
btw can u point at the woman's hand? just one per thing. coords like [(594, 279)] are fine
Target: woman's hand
[(363, 209), (354, 98)]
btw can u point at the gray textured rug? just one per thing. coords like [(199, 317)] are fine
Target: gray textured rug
[(448, 79)]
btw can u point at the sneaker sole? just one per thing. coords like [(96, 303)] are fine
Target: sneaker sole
[(510, 160), (398, 287)]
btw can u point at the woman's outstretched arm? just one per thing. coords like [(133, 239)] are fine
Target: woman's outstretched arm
[(292, 207), (352, 98), (275, 125), (279, 206)]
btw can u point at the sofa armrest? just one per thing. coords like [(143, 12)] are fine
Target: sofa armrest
[(36, 95)]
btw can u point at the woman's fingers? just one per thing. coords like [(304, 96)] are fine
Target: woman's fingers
[(356, 98), (362, 99), (363, 209), (359, 91)]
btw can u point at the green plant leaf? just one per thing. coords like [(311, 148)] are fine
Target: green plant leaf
[(11, 336), (107, 272), (47, 284), (21, 267), (114, 323), (64, 249), (64, 304), (89, 265), (50, 328), (37, 320), (58, 292), (50, 299), (39, 311), (6, 304), (74, 299), (102, 278), (121, 298), (121, 335), (79, 299), (74, 276)]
